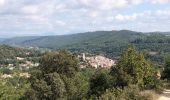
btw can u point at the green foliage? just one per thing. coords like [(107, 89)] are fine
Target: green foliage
[(120, 78), (99, 82), (153, 83), (124, 81), (61, 62), (87, 73), (76, 87), (50, 87), (58, 77), (8, 54), (13, 89), (132, 68)]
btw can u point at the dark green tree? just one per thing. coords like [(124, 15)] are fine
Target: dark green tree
[(61, 62), (57, 78), (99, 82), (48, 87)]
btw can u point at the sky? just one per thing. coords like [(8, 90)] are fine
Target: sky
[(58, 17)]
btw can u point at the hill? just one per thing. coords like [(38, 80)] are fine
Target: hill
[(67, 40), (110, 43), (9, 53)]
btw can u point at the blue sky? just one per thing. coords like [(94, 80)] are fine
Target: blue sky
[(58, 17)]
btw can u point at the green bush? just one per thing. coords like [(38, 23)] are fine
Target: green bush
[(153, 83)]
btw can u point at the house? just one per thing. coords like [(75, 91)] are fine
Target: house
[(29, 64), (153, 53), (19, 58), (11, 68), (26, 75), (6, 76)]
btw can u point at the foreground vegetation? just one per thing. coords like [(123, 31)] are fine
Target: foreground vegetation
[(59, 77)]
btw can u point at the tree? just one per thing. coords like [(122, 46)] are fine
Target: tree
[(50, 87), (57, 78), (13, 89), (61, 62), (132, 68), (99, 82)]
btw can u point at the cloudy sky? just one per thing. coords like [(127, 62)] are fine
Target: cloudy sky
[(50, 17)]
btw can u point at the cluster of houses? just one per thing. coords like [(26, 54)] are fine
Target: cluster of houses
[(98, 61), (27, 64), (24, 65)]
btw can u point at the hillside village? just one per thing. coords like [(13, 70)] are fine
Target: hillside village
[(97, 61)]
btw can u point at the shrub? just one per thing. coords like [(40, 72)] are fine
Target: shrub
[(153, 83), (128, 93)]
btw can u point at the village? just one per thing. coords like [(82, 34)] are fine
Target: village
[(95, 61)]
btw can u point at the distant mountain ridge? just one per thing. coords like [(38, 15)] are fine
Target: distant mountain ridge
[(60, 40), (78, 41)]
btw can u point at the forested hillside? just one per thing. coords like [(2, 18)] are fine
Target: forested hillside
[(8, 54), (65, 40), (109, 43)]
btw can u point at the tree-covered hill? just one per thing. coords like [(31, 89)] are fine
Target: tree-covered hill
[(8, 53), (65, 40), (110, 43)]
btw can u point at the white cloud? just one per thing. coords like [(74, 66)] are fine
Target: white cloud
[(160, 1), (163, 12), (136, 2), (122, 18), (30, 9), (104, 4), (60, 23), (2, 2), (94, 14), (60, 7), (149, 16), (110, 4)]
